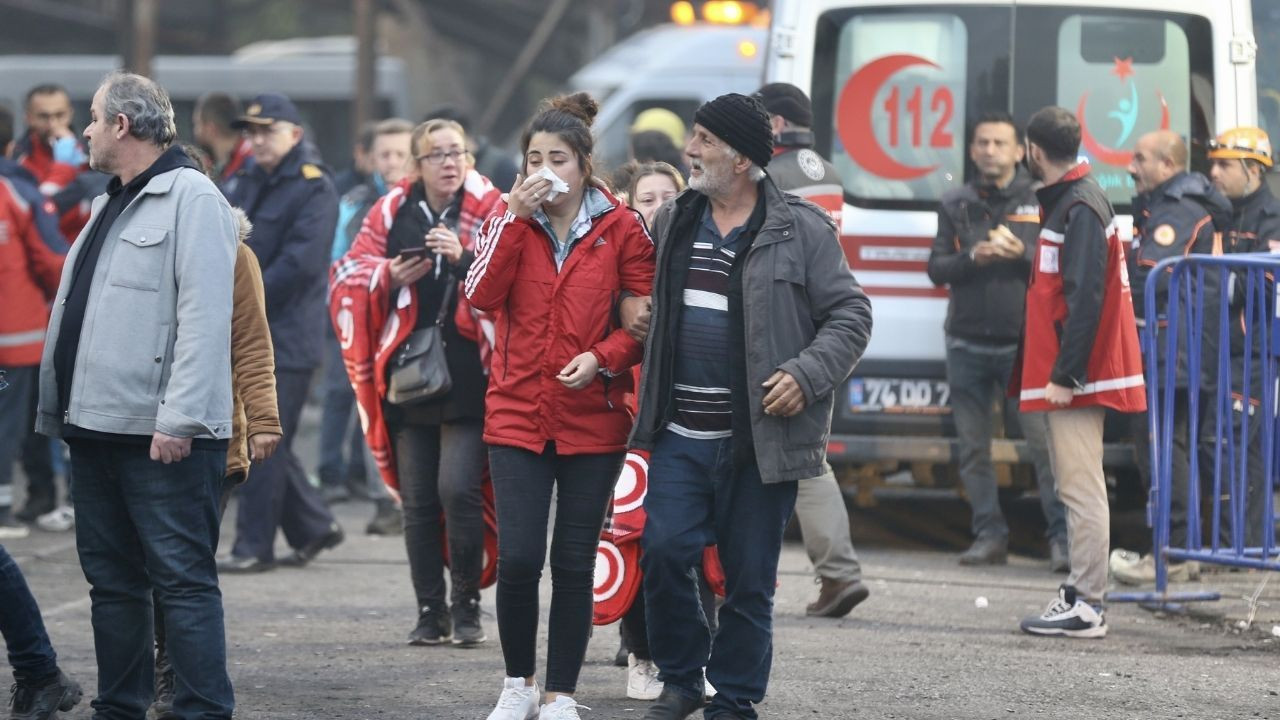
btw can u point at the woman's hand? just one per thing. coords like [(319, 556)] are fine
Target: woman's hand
[(406, 271), (580, 371), (445, 241), (527, 194)]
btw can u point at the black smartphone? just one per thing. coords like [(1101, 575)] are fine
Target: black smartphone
[(415, 253)]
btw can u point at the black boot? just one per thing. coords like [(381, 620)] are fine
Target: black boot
[(434, 626), (672, 705)]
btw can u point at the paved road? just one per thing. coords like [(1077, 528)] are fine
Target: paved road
[(327, 642)]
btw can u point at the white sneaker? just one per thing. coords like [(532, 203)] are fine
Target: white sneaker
[(517, 701), (12, 529), (60, 519), (564, 708), (1069, 616), (642, 679), (1129, 568)]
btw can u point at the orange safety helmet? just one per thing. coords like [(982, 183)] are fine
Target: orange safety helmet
[(1244, 143)]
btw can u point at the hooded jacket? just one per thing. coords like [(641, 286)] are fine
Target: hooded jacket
[(987, 301), (800, 311), (1183, 215), (253, 367)]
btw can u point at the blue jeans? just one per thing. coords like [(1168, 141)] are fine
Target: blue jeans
[(30, 653), (697, 498), (978, 376), (141, 526)]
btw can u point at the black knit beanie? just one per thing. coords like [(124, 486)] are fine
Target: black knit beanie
[(740, 121), (787, 100)]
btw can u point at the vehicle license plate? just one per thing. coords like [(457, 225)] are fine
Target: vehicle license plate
[(899, 395)]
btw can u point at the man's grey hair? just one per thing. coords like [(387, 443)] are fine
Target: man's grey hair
[(755, 173), (144, 103)]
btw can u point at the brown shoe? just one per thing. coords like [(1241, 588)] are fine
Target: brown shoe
[(837, 598)]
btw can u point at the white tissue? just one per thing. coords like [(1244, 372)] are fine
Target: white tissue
[(557, 185)]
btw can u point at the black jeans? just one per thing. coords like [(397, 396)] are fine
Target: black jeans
[(441, 470), (522, 485), (30, 653), (1181, 463), (17, 415)]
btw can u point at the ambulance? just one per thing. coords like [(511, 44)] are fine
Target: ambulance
[(896, 87)]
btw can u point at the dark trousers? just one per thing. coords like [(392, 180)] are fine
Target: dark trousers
[(522, 486), (1181, 463), (18, 442), (697, 498), (278, 494), (341, 439), (978, 376), (441, 469), (30, 653), (143, 525), (634, 627)]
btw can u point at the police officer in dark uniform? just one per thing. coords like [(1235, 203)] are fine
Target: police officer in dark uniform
[(1176, 212), (290, 198), (986, 236)]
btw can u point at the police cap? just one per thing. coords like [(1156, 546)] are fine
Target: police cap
[(266, 109)]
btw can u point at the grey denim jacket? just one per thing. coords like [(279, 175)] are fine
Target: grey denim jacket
[(155, 347)]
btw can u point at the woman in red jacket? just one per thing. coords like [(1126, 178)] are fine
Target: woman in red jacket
[(550, 265)]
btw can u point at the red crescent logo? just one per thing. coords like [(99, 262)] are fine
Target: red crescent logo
[(610, 571), (1108, 155), (853, 117), (633, 482)]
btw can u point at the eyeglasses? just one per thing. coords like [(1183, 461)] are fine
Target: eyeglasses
[(439, 156)]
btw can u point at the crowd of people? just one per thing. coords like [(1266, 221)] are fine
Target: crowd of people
[(489, 338)]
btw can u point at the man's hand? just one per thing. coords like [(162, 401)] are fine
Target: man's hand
[(634, 312), (262, 445), (985, 253), (1057, 395), (784, 397), (579, 372), (169, 449), (1007, 245)]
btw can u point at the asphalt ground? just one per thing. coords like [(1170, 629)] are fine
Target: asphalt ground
[(327, 641)]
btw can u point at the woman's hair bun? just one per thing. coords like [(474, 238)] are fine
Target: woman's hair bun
[(580, 105)]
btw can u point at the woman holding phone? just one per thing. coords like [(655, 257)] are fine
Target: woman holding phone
[(401, 276), (550, 264)]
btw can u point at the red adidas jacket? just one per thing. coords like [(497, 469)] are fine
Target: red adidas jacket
[(546, 318)]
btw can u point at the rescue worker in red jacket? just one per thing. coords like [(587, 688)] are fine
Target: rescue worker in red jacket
[(1080, 357), (31, 256), (550, 264)]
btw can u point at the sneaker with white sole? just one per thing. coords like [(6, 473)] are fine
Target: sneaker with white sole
[(517, 701), (642, 679), (59, 519), (1068, 616), (1129, 568), (564, 708)]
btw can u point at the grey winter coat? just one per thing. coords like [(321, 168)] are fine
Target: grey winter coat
[(802, 312)]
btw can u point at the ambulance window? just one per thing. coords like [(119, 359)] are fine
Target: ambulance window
[(895, 90), (1266, 31), (1112, 77), (1122, 73)]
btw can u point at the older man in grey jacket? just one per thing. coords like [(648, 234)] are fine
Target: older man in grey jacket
[(136, 376), (756, 321)]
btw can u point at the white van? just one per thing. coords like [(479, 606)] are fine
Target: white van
[(896, 87), (677, 67)]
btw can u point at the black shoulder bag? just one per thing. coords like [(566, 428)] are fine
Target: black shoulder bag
[(419, 372)]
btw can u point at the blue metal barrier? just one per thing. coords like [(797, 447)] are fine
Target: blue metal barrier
[(1218, 341)]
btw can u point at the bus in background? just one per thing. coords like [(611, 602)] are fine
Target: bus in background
[(317, 73), (896, 88)]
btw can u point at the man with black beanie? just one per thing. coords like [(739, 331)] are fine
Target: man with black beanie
[(824, 519), (750, 274)]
